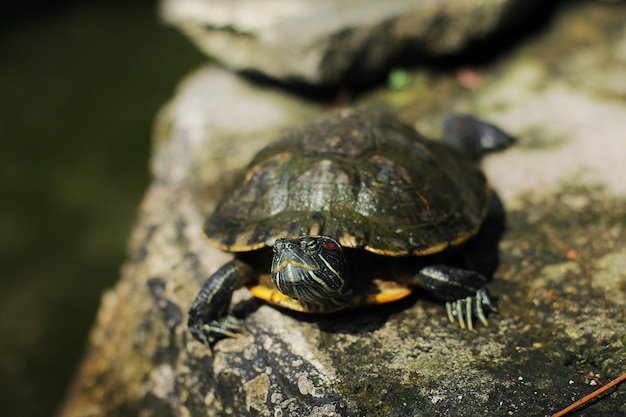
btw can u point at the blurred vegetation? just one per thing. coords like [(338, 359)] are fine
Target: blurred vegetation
[(80, 83)]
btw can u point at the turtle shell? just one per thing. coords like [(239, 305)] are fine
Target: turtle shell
[(360, 177)]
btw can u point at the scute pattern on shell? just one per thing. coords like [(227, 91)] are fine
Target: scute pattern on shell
[(360, 177)]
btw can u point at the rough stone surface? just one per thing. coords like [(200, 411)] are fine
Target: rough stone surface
[(335, 41), (560, 332)]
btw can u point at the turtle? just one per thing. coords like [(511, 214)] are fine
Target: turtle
[(353, 210)]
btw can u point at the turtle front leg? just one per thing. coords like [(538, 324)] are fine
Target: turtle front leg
[(464, 292), (209, 320)]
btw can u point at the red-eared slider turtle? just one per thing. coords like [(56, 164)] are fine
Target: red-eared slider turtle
[(358, 209)]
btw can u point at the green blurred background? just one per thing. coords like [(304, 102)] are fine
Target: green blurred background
[(80, 83)]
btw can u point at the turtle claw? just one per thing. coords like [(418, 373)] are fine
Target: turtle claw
[(463, 309), (211, 332)]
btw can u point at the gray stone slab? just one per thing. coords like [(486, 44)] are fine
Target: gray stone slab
[(331, 42)]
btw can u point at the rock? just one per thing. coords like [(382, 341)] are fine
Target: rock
[(213, 119), (561, 283), (335, 42)]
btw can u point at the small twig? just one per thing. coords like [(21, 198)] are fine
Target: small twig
[(594, 394)]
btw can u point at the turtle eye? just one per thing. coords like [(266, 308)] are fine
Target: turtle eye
[(312, 246)]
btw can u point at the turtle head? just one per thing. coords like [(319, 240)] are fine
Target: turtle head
[(312, 270)]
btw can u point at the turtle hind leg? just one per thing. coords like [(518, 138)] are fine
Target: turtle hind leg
[(209, 320), (464, 292), (474, 136)]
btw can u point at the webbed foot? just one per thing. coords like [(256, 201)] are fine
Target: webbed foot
[(464, 309)]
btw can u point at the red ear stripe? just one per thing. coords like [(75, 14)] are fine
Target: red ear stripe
[(329, 246)]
